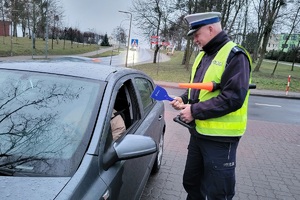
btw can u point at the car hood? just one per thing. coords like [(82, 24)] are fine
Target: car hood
[(34, 188)]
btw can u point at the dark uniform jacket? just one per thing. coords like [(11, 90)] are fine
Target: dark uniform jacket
[(234, 85)]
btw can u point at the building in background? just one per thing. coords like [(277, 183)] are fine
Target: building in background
[(292, 43), (273, 43), (4, 28), (277, 42)]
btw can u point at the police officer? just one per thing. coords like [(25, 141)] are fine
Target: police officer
[(220, 117)]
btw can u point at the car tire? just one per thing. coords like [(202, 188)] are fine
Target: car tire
[(159, 155)]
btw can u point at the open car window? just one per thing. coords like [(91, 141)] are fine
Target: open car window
[(125, 105)]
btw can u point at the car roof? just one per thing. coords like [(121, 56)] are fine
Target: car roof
[(80, 69)]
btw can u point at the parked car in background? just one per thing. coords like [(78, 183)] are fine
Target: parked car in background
[(55, 131)]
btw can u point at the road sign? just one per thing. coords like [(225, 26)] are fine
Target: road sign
[(134, 42), (154, 39)]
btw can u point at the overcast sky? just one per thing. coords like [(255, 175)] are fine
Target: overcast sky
[(101, 16)]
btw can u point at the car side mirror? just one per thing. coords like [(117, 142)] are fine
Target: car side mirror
[(131, 146)]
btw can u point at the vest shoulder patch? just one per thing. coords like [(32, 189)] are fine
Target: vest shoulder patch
[(237, 49)]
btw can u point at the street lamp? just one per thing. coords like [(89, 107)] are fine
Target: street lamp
[(128, 35)]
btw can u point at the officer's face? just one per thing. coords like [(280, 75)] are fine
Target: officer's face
[(203, 36)]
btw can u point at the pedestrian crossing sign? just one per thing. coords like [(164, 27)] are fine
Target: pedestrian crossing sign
[(134, 42)]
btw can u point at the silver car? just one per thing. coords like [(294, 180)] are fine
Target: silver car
[(55, 131)]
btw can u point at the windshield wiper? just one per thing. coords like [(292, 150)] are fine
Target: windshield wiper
[(4, 171)]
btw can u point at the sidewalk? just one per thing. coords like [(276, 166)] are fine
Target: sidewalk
[(255, 92)]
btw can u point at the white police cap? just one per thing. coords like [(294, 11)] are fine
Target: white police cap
[(198, 20)]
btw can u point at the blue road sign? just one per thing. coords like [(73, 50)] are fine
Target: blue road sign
[(134, 42)]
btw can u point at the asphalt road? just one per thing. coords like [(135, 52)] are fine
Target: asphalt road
[(268, 161), (272, 109), (261, 108), (137, 56)]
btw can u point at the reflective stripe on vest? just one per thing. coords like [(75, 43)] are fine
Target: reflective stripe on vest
[(233, 124)]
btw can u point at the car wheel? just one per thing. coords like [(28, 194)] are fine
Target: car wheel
[(159, 155)]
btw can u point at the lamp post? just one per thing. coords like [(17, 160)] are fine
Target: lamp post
[(128, 35)]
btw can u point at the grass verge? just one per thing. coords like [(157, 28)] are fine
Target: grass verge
[(23, 46)]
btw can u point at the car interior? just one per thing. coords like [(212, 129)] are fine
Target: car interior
[(122, 106)]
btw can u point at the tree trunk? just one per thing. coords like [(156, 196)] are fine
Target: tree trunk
[(263, 49), (155, 53), (186, 54), (295, 23)]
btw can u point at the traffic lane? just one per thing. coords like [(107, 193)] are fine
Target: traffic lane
[(140, 55), (272, 109), (281, 110)]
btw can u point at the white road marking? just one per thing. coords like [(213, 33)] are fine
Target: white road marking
[(270, 105)]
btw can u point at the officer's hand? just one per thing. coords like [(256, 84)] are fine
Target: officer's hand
[(186, 113), (177, 103)]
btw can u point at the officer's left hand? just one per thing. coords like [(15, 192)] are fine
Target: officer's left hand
[(186, 113)]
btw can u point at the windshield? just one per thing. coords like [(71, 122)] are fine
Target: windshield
[(45, 122)]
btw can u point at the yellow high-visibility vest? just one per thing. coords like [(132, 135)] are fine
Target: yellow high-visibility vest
[(230, 125)]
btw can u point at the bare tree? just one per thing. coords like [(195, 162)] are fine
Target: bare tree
[(120, 35), (191, 7), (295, 23), (229, 9), (38, 15), (229, 13), (150, 17), (245, 21), (267, 11)]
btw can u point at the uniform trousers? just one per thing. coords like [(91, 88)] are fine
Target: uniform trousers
[(210, 169)]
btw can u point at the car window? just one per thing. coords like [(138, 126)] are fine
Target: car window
[(125, 109), (121, 115), (145, 89), (45, 121)]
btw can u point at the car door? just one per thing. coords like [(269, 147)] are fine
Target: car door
[(131, 95), (153, 113), (124, 178), (137, 171)]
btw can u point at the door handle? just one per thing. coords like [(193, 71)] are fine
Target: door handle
[(160, 117)]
